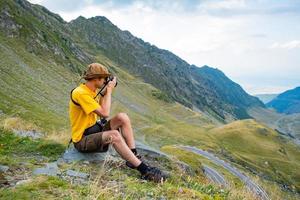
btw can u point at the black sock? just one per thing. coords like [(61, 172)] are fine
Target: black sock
[(142, 168), (134, 151)]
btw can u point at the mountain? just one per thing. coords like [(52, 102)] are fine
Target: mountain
[(287, 102), (266, 98), (202, 88)]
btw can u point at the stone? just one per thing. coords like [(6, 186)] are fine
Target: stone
[(148, 150), (60, 162), (3, 168), (77, 174), (185, 168), (86, 162), (23, 182), (72, 154), (33, 133), (51, 169)]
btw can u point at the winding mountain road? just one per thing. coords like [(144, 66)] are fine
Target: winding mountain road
[(214, 176), (255, 188)]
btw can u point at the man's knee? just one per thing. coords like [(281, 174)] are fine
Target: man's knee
[(123, 117), (115, 136)]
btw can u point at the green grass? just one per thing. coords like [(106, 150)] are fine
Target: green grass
[(260, 148), (129, 186), (14, 149)]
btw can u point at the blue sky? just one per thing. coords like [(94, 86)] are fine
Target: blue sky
[(256, 42)]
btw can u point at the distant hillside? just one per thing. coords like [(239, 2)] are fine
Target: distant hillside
[(266, 98), (287, 102)]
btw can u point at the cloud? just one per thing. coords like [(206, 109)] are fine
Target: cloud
[(220, 8), (287, 45)]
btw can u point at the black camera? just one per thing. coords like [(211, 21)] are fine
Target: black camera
[(110, 78), (102, 91)]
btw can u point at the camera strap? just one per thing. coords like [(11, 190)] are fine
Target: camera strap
[(77, 104)]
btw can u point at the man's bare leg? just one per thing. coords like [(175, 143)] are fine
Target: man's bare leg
[(115, 138), (121, 120), (148, 173)]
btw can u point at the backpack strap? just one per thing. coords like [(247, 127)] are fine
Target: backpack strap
[(77, 104)]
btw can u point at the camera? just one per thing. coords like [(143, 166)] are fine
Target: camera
[(110, 78)]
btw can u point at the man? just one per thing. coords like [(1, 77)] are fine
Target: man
[(88, 135)]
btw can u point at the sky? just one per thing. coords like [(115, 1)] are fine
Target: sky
[(256, 43)]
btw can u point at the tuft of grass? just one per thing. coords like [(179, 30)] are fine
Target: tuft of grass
[(17, 123), (162, 96), (41, 187), (187, 157), (12, 145)]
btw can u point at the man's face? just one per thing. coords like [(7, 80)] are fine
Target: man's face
[(99, 82)]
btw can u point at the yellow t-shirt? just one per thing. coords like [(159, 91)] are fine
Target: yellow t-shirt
[(82, 117)]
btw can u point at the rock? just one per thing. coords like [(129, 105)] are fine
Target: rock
[(71, 154), (266, 163), (51, 169), (185, 168), (77, 174), (148, 150), (162, 198), (111, 184), (3, 168), (33, 134), (60, 162), (23, 182), (86, 162)]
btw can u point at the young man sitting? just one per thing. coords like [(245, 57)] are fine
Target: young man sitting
[(89, 135)]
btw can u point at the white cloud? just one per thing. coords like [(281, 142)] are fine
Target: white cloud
[(36, 1), (224, 4), (287, 45)]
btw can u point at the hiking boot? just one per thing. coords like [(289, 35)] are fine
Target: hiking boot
[(128, 164), (154, 174)]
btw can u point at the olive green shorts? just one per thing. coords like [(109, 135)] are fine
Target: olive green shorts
[(92, 141)]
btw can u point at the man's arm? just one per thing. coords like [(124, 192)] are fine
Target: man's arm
[(105, 102)]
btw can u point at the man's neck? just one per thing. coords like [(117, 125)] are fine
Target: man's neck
[(91, 86)]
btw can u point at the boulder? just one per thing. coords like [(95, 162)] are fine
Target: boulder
[(72, 154), (51, 169)]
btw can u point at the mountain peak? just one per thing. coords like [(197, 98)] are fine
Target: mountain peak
[(287, 102)]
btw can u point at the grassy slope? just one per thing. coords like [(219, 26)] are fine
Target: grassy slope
[(129, 186), (261, 149), (33, 88)]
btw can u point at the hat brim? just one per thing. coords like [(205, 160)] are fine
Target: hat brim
[(92, 76)]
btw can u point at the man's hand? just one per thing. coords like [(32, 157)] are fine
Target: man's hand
[(111, 84), (105, 101)]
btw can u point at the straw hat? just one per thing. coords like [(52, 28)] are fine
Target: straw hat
[(96, 70)]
